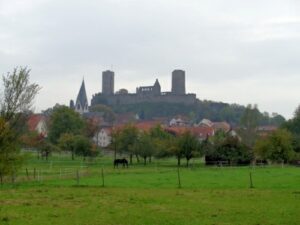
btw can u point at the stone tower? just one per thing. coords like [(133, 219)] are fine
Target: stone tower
[(156, 88), (178, 82), (81, 105), (108, 82)]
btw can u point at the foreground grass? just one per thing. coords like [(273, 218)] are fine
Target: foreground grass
[(116, 206), (150, 195)]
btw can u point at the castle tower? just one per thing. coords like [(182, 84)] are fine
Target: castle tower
[(108, 82), (156, 88), (178, 82), (81, 105)]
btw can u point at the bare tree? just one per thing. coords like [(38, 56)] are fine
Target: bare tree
[(18, 93)]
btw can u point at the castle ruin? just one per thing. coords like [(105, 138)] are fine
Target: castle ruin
[(151, 94)]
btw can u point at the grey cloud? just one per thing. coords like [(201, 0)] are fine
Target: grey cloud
[(219, 43)]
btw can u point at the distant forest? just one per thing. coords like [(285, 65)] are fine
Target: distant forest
[(214, 111)]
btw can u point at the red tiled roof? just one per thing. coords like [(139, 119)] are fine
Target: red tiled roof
[(221, 126), (201, 132), (146, 125), (34, 120)]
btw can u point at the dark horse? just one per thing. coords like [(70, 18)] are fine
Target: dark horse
[(123, 161)]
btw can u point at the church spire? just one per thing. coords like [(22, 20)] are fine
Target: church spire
[(81, 101)]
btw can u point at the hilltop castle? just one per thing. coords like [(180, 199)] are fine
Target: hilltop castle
[(151, 94)]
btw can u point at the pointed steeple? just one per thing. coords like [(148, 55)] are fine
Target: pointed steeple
[(81, 101), (156, 88), (156, 83)]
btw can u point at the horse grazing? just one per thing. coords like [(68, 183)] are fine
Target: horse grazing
[(123, 161)]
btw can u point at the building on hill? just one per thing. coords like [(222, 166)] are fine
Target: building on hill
[(38, 123), (108, 82), (150, 94), (178, 82), (154, 90), (81, 106)]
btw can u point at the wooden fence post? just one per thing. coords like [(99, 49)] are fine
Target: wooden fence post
[(34, 173), (178, 176), (102, 174), (27, 174), (77, 177), (251, 182)]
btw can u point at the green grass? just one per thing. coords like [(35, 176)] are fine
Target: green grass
[(150, 194)]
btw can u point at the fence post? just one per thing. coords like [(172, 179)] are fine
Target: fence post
[(27, 174), (38, 175), (178, 176), (34, 173), (13, 178), (60, 173), (77, 176), (251, 182), (102, 174)]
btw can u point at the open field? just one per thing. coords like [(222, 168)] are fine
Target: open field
[(149, 194)]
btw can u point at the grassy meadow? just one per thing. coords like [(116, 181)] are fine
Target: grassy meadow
[(71, 192)]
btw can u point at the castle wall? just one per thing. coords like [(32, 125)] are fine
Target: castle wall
[(134, 99)]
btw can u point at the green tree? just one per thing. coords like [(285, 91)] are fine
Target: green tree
[(144, 146), (225, 147), (46, 148), (17, 99), (189, 146), (67, 143), (277, 147), (83, 146), (174, 148), (64, 120), (160, 139), (249, 123), (293, 125), (128, 137), (10, 159), (115, 141), (107, 112)]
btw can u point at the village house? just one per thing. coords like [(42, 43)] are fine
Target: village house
[(38, 123), (102, 138), (179, 121)]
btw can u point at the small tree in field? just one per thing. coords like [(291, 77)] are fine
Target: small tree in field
[(17, 99), (46, 148), (115, 141), (67, 143), (64, 120), (278, 147), (10, 159), (83, 146), (189, 145), (144, 146), (128, 137)]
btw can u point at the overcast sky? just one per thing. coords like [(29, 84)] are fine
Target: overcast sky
[(232, 51)]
